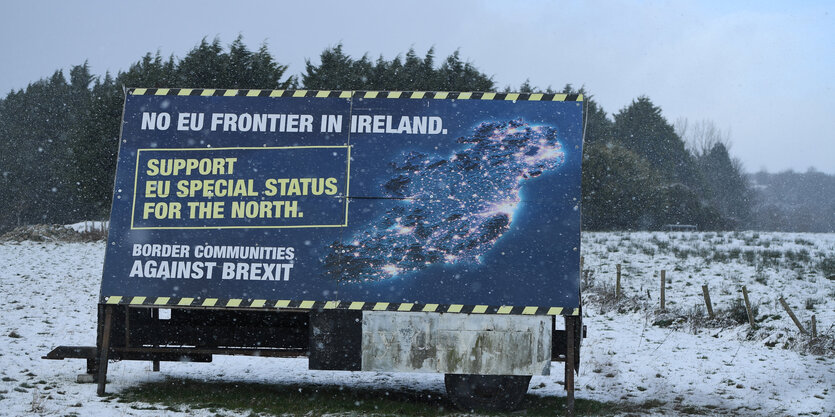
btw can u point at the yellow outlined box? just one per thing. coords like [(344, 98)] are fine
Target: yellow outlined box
[(136, 182)]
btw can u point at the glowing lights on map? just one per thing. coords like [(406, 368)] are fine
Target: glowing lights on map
[(455, 207)]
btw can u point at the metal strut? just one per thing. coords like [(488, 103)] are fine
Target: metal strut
[(105, 348), (570, 327)]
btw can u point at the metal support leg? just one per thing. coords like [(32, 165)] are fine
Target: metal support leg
[(92, 368), (105, 348), (155, 316), (569, 365)]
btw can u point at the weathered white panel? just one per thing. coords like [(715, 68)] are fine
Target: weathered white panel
[(456, 343)]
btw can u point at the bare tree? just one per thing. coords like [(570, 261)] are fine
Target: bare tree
[(701, 136)]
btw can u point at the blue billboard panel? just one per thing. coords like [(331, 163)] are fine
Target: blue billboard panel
[(416, 201)]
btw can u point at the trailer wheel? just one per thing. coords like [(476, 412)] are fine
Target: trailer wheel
[(486, 392)]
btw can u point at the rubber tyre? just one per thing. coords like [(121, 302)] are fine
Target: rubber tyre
[(486, 392)]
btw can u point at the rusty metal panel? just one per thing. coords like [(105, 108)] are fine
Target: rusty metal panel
[(456, 343), (335, 340)]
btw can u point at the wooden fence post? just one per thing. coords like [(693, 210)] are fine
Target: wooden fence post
[(793, 317), (663, 282), (748, 307), (617, 284), (814, 327), (706, 293)]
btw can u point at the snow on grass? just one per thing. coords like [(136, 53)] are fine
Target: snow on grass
[(770, 266), (89, 226), (49, 290)]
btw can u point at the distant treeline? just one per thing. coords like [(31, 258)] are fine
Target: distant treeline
[(59, 137), (794, 202)]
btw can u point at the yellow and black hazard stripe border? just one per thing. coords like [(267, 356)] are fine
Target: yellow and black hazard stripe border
[(169, 302), (439, 95)]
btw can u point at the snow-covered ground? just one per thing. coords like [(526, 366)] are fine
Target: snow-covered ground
[(48, 294)]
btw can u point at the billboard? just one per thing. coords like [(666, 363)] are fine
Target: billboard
[(403, 201)]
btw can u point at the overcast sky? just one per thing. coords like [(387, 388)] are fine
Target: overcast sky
[(764, 71)]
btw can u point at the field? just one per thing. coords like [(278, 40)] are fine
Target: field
[(636, 360)]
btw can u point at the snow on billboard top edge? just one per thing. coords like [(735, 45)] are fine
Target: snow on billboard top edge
[(436, 201)]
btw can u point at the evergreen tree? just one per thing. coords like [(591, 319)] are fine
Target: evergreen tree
[(641, 128), (364, 70), (265, 73), (150, 72), (604, 170), (59, 139), (413, 72), (620, 189), (456, 75), (680, 205), (238, 65), (427, 70), (205, 66), (725, 186), (598, 125), (95, 149), (334, 72), (35, 126), (338, 71)]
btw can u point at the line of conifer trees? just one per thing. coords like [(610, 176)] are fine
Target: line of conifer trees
[(59, 137)]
